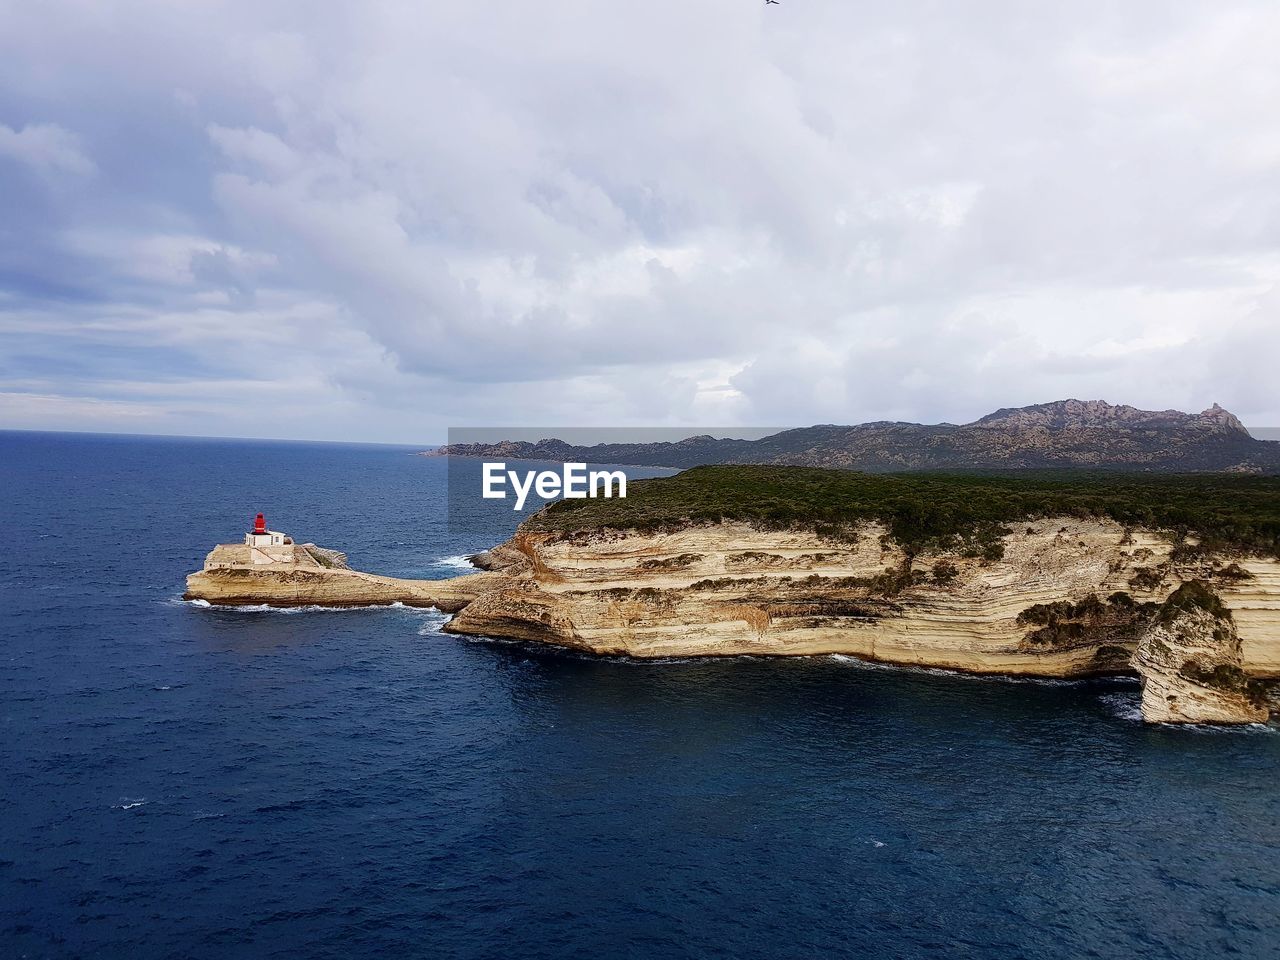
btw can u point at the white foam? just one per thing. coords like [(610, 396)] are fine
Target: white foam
[(956, 674), (307, 608), (1128, 706), (1211, 729), (1125, 706), (459, 562), (435, 620), (128, 804)]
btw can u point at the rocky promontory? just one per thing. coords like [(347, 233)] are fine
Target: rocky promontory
[(313, 576), (981, 575), (1191, 662)]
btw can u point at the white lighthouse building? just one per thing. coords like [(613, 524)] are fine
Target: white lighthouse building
[(268, 546), (271, 551)]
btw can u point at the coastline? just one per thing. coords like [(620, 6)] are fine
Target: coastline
[(733, 589)]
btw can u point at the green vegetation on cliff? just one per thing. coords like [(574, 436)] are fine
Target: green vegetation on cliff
[(967, 512), (1193, 595), (1062, 625)]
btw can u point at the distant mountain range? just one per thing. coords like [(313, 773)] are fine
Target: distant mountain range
[(1088, 434)]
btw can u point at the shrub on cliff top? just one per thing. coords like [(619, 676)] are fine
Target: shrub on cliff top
[(937, 511), (1193, 595), (1228, 678), (1063, 624), (945, 572)]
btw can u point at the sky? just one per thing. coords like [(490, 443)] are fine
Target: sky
[(376, 220)]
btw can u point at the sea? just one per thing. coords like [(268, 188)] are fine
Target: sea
[(185, 781)]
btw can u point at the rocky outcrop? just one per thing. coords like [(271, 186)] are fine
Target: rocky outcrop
[(1067, 415), (1066, 433), (1191, 662), (319, 577), (1063, 597), (1068, 598)]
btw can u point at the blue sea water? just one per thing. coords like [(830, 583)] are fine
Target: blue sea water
[(188, 782)]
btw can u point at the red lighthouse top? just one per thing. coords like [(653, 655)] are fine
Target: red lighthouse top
[(260, 524)]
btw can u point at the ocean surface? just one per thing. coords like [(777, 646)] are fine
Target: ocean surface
[(180, 781)]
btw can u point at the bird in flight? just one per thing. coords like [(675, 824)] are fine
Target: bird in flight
[(771, 1)]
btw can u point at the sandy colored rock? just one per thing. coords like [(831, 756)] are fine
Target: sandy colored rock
[(1069, 597), (1191, 666), (731, 589), (319, 577)]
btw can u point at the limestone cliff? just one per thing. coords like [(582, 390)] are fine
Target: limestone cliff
[(1068, 598), (1060, 597), (318, 577), (1192, 666)]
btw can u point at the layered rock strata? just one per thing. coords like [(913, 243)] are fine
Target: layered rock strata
[(732, 589), (319, 577), (1192, 665), (1068, 598)]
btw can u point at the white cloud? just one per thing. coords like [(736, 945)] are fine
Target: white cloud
[(36, 411), (666, 211), (45, 148)]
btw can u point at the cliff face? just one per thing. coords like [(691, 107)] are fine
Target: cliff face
[(1069, 598), (1192, 664)]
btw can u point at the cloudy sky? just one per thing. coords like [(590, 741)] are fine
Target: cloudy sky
[(374, 220)]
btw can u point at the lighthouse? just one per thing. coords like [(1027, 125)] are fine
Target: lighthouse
[(263, 548), (264, 538)]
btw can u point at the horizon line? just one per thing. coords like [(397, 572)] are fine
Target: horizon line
[(206, 436)]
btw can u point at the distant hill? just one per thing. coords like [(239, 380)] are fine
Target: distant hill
[(1089, 434)]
